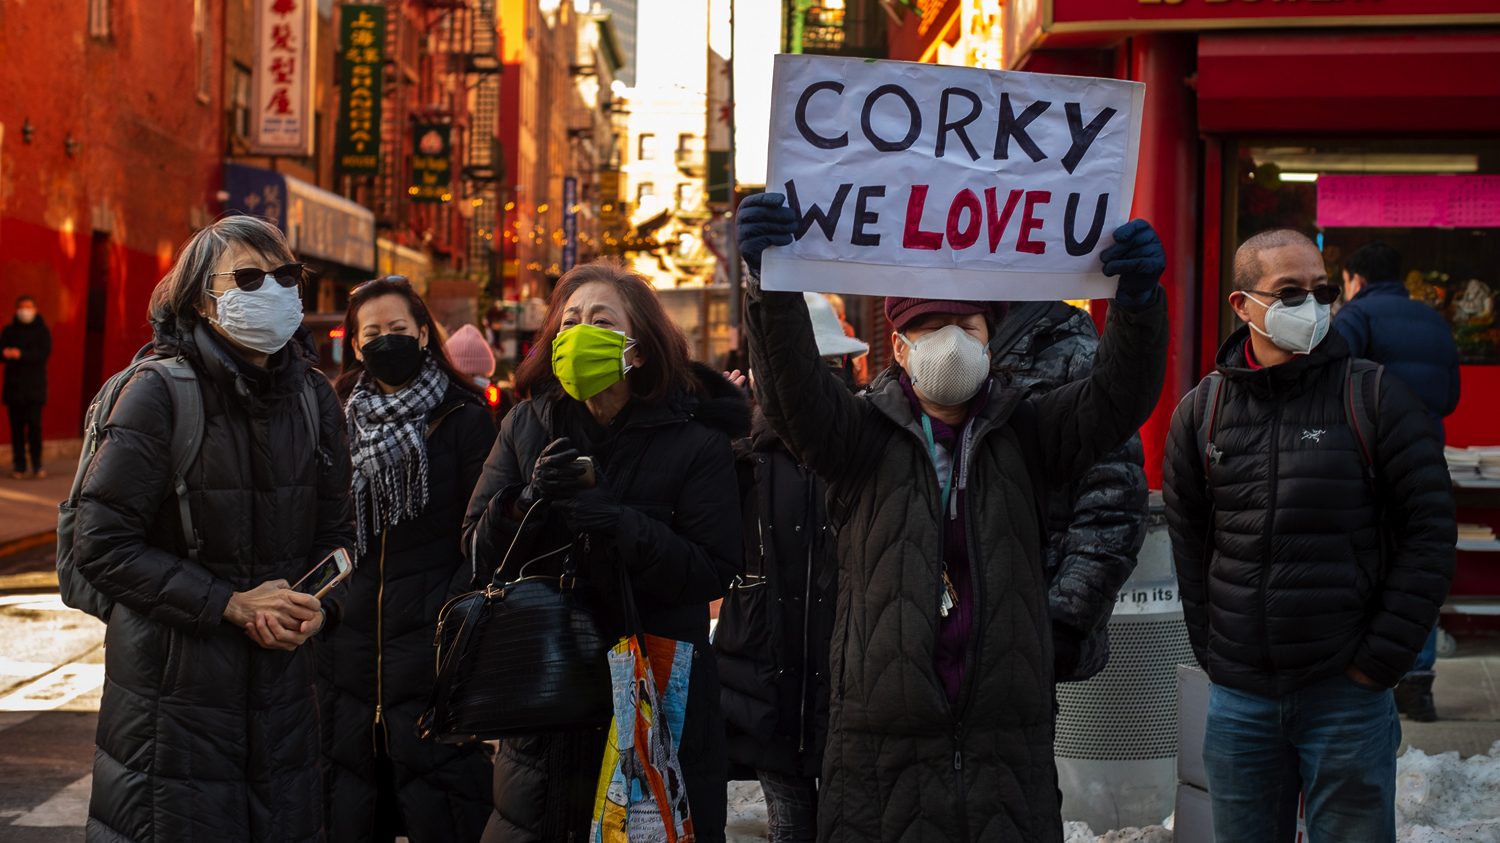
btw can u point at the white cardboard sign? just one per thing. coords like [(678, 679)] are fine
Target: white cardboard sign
[(949, 182)]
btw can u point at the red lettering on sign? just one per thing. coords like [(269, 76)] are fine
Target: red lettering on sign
[(1030, 223), (998, 225), (281, 102), (963, 238), (915, 237), (281, 38)]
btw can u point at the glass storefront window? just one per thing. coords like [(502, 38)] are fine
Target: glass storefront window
[(1455, 270)]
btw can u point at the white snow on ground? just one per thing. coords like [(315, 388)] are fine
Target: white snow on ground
[(1439, 799)]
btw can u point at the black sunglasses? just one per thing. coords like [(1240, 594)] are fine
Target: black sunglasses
[(1293, 296), (250, 278)]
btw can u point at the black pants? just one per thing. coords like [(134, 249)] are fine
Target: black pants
[(25, 430)]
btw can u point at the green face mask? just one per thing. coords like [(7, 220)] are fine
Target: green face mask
[(588, 360)]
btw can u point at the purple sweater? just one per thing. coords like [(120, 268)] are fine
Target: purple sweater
[(955, 630)]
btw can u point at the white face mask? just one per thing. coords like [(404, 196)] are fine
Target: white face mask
[(947, 366), (262, 320), (1296, 329)]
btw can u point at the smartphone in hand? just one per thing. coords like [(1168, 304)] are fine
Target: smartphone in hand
[(334, 568)]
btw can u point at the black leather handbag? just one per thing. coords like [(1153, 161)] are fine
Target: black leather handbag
[(519, 658)]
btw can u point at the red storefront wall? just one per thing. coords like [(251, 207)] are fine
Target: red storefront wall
[(1389, 78), (110, 209)]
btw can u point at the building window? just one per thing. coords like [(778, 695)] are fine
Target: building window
[(646, 147), (643, 191), (240, 116), (683, 195), (100, 25)]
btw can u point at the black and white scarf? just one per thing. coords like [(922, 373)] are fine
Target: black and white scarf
[(388, 443)]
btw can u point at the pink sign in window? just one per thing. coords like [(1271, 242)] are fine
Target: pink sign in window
[(1408, 201)]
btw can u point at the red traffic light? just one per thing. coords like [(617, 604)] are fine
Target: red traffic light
[(492, 395)]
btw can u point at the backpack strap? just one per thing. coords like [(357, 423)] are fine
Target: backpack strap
[(310, 412), (1213, 389), (187, 437), (1357, 409)]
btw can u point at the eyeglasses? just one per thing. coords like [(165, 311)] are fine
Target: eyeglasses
[(1293, 296), (250, 278)]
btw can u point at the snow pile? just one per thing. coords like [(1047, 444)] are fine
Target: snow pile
[(1081, 833), (1445, 799)]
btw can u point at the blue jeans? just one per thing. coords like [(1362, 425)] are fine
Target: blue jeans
[(1338, 735), (1427, 659)]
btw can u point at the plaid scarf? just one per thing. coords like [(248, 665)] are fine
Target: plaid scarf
[(388, 444)]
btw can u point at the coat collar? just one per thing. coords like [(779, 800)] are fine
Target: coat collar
[(1289, 378), (1392, 289)]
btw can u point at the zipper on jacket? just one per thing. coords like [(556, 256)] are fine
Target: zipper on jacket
[(1266, 559), (380, 723), (809, 510)]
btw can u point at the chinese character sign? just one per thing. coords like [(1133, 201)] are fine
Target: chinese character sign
[(949, 182), (431, 163), (361, 68), (281, 112)]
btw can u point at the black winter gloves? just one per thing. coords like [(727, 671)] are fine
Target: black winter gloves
[(763, 220), (556, 475), (1138, 258)]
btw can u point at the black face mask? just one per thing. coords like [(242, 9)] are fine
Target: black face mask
[(393, 359)]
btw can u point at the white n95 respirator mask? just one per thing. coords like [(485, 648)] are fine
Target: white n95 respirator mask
[(947, 366)]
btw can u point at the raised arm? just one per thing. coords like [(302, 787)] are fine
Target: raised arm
[(815, 415)]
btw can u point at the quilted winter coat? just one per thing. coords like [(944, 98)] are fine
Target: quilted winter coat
[(1096, 524), (671, 468), (902, 763), (1278, 547), (377, 667), (203, 735)]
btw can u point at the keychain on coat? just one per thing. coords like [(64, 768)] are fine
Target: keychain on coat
[(949, 601)]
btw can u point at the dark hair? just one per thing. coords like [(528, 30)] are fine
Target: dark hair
[(658, 340), (392, 285), (177, 296), (20, 300), (1376, 261), (1247, 265)]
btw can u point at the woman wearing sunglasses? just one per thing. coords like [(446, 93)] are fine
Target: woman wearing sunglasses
[(611, 381), (419, 433), (209, 724)]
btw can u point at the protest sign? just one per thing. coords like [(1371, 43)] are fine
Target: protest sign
[(948, 182)]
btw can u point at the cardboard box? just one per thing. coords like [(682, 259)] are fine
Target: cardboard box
[(1192, 719), (1194, 822)]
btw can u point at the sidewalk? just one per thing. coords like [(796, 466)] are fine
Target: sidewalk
[(28, 508)]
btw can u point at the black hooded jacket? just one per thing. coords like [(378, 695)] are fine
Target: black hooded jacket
[(671, 467), (377, 667), (203, 735), (1279, 546)]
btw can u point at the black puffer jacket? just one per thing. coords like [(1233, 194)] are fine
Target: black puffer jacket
[(902, 763), (774, 626), (1095, 525), (679, 537), (26, 378), (1278, 551), (203, 735), (381, 655)]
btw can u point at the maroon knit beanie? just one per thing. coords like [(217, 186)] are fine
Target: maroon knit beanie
[(903, 311)]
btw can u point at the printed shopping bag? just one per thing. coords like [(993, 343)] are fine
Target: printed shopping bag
[(641, 796)]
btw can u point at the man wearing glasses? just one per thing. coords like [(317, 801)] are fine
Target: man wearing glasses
[(1313, 530)]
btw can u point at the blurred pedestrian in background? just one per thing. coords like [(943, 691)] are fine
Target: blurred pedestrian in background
[(25, 345), (612, 381), (861, 362), (209, 727), (1096, 524), (419, 433), (774, 627), (1380, 322), (471, 355)]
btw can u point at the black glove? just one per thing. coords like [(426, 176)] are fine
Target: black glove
[(1138, 258), (590, 511), (556, 475), (763, 220)]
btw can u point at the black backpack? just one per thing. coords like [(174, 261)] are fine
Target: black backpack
[(187, 439)]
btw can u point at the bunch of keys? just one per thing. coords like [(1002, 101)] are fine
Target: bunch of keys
[(949, 599)]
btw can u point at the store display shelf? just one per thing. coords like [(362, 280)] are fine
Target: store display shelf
[(1476, 483), (1473, 606), (1479, 545)]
